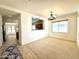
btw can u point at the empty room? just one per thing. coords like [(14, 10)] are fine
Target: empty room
[(39, 29)]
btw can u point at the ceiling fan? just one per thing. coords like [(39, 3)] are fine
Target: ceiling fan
[(51, 16)]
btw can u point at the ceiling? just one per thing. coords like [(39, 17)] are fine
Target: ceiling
[(43, 7), (6, 12)]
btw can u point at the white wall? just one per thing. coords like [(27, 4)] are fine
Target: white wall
[(72, 27), (27, 35), (1, 37), (78, 30)]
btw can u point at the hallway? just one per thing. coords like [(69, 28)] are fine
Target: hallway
[(10, 40)]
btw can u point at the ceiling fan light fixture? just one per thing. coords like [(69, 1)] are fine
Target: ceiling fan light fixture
[(51, 16)]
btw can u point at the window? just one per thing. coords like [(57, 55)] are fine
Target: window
[(55, 27), (13, 29), (61, 26), (10, 29)]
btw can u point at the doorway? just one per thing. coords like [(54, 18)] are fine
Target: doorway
[(8, 17), (10, 29)]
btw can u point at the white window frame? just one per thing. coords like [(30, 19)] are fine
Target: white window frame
[(59, 26)]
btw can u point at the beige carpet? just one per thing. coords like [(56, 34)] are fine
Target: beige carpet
[(50, 48)]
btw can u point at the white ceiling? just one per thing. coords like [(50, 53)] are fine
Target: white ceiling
[(43, 7), (6, 12)]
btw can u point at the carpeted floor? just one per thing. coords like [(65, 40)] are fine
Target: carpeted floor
[(50, 48)]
